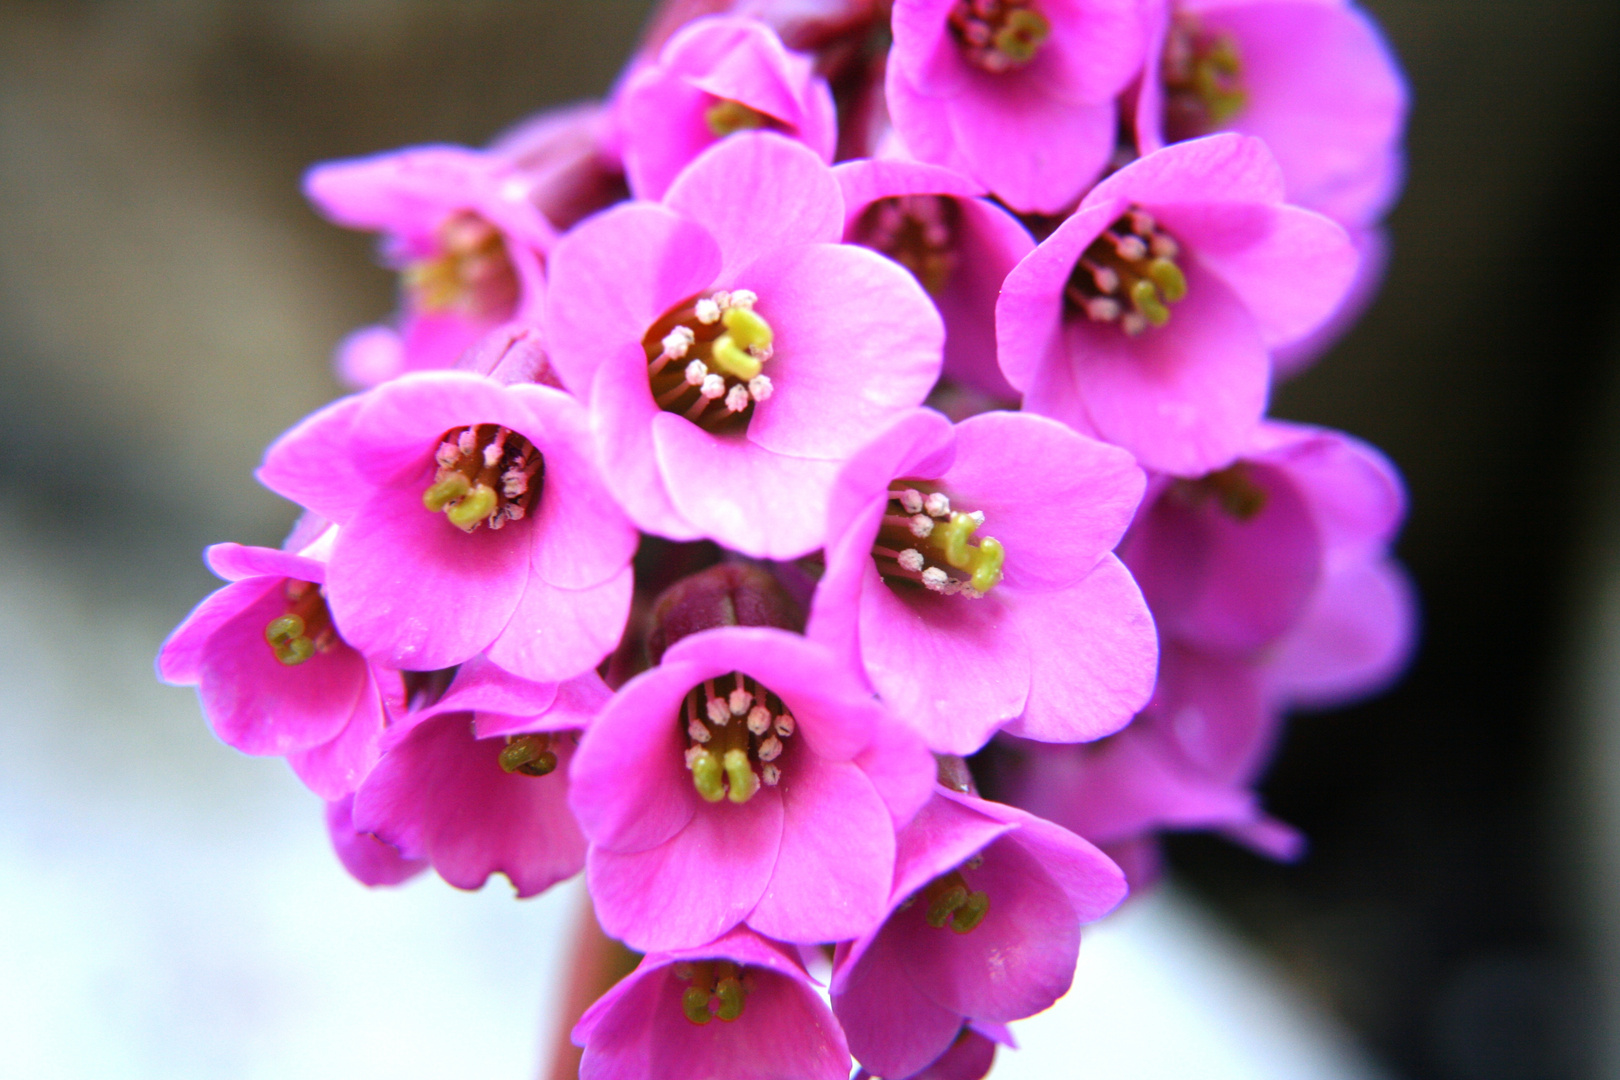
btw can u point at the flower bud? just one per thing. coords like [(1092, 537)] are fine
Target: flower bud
[(731, 594)]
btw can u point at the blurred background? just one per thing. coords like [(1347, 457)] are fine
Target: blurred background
[(168, 305)]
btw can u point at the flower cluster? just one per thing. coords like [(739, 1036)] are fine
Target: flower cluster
[(863, 405)]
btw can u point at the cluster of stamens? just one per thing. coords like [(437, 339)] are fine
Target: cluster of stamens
[(952, 901), (487, 475), (305, 629), (1128, 275), (727, 117), (530, 755), (704, 359), (472, 272), (1202, 75), (733, 725), (1233, 489), (918, 232), (921, 536), (717, 988), (998, 35)]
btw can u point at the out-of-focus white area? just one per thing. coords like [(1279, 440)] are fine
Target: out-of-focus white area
[(169, 909)]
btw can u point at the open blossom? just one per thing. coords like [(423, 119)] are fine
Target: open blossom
[(984, 926), (272, 672), (1313, 78), (477, 782), (467, 241), (1271, 586), (472, 520), (1148, 317), (715, 77), (969, 572), (748, 778), (733, 353), (1018, 94), (741, 1007), (958, 245)]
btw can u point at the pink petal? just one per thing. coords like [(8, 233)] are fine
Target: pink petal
[(335, 768), (894, 1029), (1358, 635), (1037, 153), (625, 414), (1093, 654), (371, 861), (310, 463), (556, 634)]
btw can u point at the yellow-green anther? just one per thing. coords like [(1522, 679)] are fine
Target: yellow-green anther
[(1169, 278), (727, 117), (474, 507), (528, 756), (695, 1004), (284, 630), (445, 492), (1145, 295), (730, 993), (945, 904), (742, 779), (747, 328), (971, 913), (707, 777), (987, 564), (731, 359), (1021, 35), (295, 651), (953, 537)]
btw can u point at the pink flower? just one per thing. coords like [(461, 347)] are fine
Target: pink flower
[(566, 160), (984, 926), (529, 559), (1271, 586), (478, 783), (272, 672), (1018, 94), (748, 778), (367, 858), (1147, 318), (969, 571), (740, 1007), (959, 247), (459, 227), (969, 1057), (715, 77), (732, 351), (1313, 78)]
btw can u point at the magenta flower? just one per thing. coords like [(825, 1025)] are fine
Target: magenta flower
[(969, 571), (1313, 78), (715, 77), (272, 672), (1271, 586), (1018, 94), (741, 1007), (567, 161), (369, 860), (478, 783), (958, 246), (984, 925), (460, 228), (969, 1057), (748, 778), (733, 353), (472, 520), (1147, 318)]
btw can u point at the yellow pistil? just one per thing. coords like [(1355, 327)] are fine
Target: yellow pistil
[(727, 117)]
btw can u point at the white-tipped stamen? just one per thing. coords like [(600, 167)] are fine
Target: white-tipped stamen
[(714, 386), (740, 700), (692, 753), (1102, 309), (786, 725), (708, 312), (760, 387), (696, 372), (1133, 323), (759, 720), (742, 298), (938, 504), (771, 775), (911, 501), (770, 749), (678, 341), (921, 526), (935, 579), (910, 559), (718, 711), (697, 730), (737, 398)]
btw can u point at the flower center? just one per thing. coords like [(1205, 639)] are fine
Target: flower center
[(951, 900), (1128, 275), (472, 273), (530, 755), (733, 725), (716, 988), (1203, 79), (704, 359), (727, 117), (918, 232), (921, 535), (305, 629), (487, 474), (998, 35), (1233, 489)]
